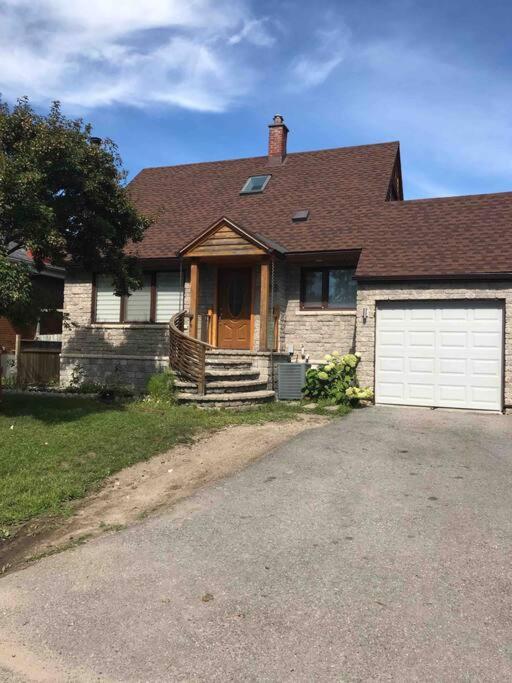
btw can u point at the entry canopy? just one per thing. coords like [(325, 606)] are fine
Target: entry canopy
[(226, 238)]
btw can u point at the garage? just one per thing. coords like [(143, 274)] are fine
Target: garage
[(441, 354)]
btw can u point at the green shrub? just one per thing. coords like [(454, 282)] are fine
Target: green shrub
[(161, 386), (335, 381)]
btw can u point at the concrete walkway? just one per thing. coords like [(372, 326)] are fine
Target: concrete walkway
[(376, 548)]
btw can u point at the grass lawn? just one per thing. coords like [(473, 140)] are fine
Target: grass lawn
[(55, 450)]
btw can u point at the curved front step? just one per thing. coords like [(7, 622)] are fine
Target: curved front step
[(221, 363), (226, 375), (236, 386), (231, 400), (221, 387)]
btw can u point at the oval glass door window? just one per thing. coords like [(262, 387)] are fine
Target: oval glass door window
[(235, 299)]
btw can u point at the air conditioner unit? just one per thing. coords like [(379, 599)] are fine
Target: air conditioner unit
[(291, 377)]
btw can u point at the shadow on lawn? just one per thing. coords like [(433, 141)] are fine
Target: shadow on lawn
[(110, 375), (53, 409)]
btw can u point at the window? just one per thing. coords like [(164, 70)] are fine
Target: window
[(138, 304), (156, 302), (328, 288), (167, 296), (256, 183), (108, 305)]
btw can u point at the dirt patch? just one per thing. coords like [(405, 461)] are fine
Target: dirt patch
[(160, 482)]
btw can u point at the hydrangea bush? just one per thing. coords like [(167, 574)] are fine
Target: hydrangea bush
[(335, 380)]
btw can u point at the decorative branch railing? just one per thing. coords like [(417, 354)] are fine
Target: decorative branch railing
[(186, 354)]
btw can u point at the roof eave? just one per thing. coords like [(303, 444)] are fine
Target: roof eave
[(410, 277)]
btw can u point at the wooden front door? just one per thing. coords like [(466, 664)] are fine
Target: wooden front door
[(234, 311)]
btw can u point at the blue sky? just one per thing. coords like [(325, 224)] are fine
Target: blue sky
[(195, 80)]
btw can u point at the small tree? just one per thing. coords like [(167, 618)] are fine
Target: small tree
[(62, 198)]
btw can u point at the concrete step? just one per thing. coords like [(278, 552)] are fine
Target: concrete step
[(224, 387), (227, 374), (185, 385), (231, 400), (241, 363)]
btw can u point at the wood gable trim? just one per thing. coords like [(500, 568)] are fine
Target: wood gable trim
[(225, 238)]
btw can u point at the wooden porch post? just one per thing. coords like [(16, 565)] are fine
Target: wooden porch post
[(194, 297), (264, 304)]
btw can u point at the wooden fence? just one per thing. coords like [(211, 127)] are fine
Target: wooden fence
[(37, 366)]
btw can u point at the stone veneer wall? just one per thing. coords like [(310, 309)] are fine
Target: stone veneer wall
[(370, 294), (319, 332), (130, 353), (104, 352)]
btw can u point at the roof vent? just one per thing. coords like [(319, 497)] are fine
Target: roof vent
[(301, 215)]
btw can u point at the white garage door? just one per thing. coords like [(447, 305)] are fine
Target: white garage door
[(438, 353)]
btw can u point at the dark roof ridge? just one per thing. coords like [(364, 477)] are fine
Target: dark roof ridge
[(264, 157), (424, 200)]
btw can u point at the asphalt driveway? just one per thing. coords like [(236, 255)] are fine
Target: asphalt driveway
[(376, 548)]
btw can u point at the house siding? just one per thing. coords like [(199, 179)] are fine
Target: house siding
[(370, 294)]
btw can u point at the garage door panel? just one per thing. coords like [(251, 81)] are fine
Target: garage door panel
[(448, 393), (486, 313), (392, 390), (453, 366), (484, 395), (422, 339), (421, 364), (440, 354), (455, 314), (392, 313), (486, 367), (421, 391), (421, 313), (392, 338), (391, 364), (486, 340)]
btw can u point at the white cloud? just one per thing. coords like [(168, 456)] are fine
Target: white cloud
[(98, 52), (256, 32), (314, 67)]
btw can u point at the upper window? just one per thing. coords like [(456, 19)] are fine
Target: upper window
[(328, 288), (157, 301), (256, 183)]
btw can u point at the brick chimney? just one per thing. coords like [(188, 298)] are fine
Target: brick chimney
[(278, 133)]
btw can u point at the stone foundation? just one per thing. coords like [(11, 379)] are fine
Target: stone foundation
[(126, 371)]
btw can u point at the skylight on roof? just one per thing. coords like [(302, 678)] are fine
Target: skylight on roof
[(256, 183)]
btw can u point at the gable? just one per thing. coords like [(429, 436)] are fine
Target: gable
[(224, 240)]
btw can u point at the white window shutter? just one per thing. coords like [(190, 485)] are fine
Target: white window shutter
[(108, 305), (138, 304), (167, 296)]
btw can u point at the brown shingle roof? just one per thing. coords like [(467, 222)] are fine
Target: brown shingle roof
[(332, 184), (344, 190), (452, 236)]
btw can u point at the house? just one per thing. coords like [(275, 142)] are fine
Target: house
[(293, 255), (48, 287)]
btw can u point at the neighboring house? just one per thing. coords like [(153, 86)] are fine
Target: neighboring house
[(296, 255), (49, 285)]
